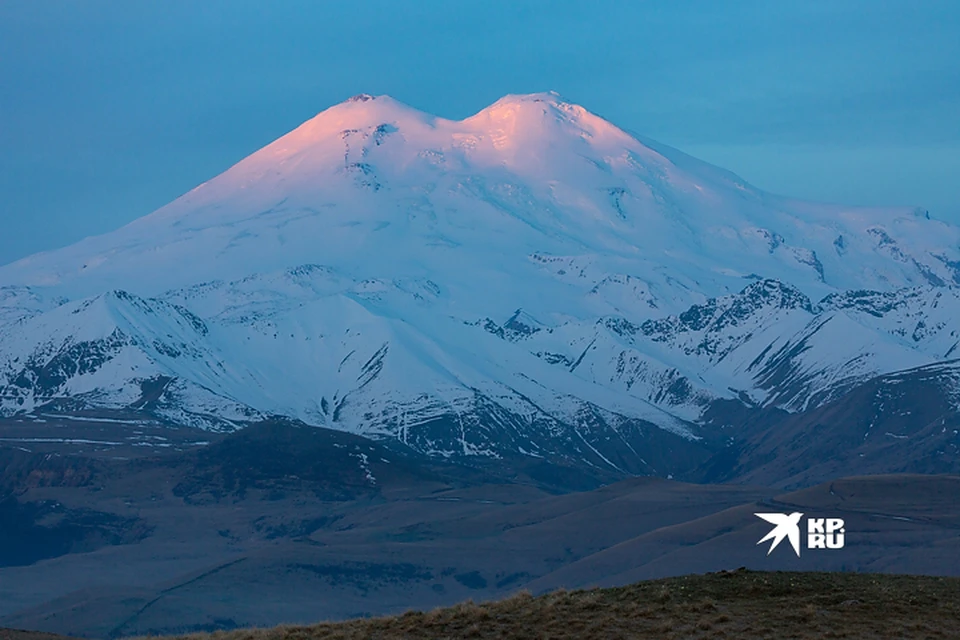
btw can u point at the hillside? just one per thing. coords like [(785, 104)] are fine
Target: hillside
[(283, 523), (738, 604)]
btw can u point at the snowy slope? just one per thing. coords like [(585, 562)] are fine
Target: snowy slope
[(102, 351), (528, 276), (766, 345)]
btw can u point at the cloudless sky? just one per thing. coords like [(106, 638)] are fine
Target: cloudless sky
[(111, 108)]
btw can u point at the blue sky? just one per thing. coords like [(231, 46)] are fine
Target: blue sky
[(111, 108)]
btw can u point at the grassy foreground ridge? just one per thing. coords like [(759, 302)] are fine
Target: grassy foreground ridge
[(736, 604)]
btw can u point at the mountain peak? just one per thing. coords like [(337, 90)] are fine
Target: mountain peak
[(549, 103), (361, 97), (363, 101), (528, 174), (357, 112), (545, 97), (539, 115)]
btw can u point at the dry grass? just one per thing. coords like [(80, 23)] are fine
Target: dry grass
[(739, 604), (13, 634)]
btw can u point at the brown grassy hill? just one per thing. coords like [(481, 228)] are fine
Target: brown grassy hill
[(13, 634), (738, 604)]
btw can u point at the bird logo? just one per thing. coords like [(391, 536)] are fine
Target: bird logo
[(787, 526)]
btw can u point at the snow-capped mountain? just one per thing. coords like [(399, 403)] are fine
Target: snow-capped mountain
[(531, 280)]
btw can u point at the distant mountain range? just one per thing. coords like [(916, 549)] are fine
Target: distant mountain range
[(531, 284)]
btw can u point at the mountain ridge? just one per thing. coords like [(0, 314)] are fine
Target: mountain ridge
[(531, 280)]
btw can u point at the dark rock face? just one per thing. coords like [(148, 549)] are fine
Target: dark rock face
[(24, 470), (44, 374), (718, 314)]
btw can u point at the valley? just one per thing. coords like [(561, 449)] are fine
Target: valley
[(282, 522)]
